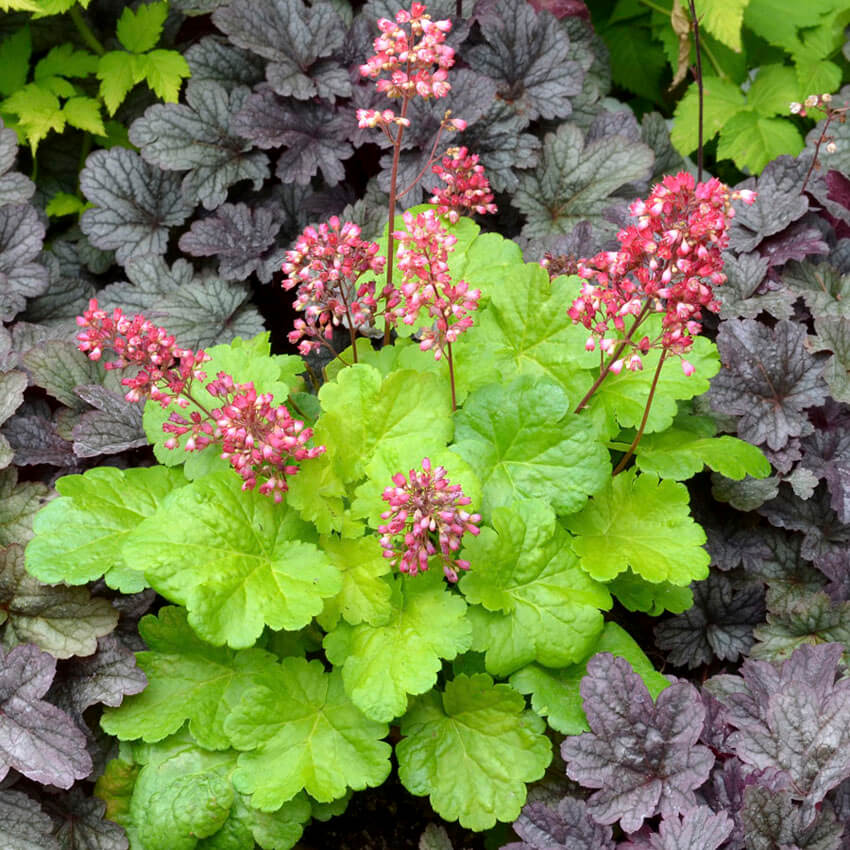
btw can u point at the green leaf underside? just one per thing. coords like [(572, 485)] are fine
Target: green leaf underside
[(535, 603), (235, 559), (381, 665), (642, 523), (555, 694), (78, 537), (188, 680), (472, 749), (301, 731)]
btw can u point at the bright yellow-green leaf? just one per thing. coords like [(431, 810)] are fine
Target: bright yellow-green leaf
[(64, 61), (722, 101), (19, 6), (56, 7), (84, 114), (38, 111), (723, 19), (140, 31), (752, 141), (56, 85), (164, 71), (63, 203), (118, 73), (815, 76), (773, 89), (15, 60)]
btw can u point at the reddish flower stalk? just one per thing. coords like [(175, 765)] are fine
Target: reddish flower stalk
[(426, 518), (411, 60), (262, 442), (326, 265)]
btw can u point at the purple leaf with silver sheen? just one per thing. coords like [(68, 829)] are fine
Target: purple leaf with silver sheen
[(36, 738), (644, 758), (565, 826), (772, 820), (697, 829), (768, 380), (794, 718), (21, 237)]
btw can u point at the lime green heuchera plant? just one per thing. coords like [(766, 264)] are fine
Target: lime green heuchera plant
[(293, 644)]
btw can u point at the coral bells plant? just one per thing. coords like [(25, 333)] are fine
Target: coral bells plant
[(467, 188), (425, 507), (260, 440)]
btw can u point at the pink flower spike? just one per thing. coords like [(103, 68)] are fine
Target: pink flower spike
[(427, 518), (467, 189)]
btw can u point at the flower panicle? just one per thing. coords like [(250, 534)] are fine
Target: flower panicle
[(326, 265), (423, 251), (259, 439), (668, 262), (467, 188), (427, 518)]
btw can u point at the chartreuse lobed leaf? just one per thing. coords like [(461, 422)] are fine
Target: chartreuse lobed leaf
[(365, 596), (535, 603), (188, 680), (407, 413), (243, 360), (555, 694), (78, 537), (472, 749), (178, 796), (523, 442), (300, 730), (641, 522), (139, 31), (382, 664), (637, 594), (236, 560)]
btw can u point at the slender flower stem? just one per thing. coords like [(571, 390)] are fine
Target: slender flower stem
[(698, 75), (628, 455), (85, 31), (451, 375), (605, 370), (429, 162), (818, 143)]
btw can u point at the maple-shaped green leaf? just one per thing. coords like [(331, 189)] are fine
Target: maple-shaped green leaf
[(139, 31), (382, 664), (237, 560), (361, 409), (523, 442), (816, 74), (65, 60), (723, 19), (535, 603), (63, 621), (751, 140), (773, 88), (525, 330), (164, 72), (640, 522), (188, 680), (301, 730), (654, 598), (78, 537), (681, 452), (183, 798), (722, 100), (623, 397), (84, 114), (39, 111), (472, 749), (365, 596), (555, 693), (118, 74)]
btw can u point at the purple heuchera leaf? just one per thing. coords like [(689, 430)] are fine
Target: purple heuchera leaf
[(644, 758), (565, 826), (696, 829), (23, 825), (719, 625), (767, 379), (772, 820), (826, 452), (21, 237), (796, 719), (36, 738), (802, 239)]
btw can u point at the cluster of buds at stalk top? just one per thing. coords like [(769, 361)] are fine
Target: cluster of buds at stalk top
[(426, 518), (164, 371), (261, 441), (326, 265), (467, 188), (668, 263), (426, 283)]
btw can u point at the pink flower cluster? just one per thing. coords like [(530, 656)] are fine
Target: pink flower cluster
[(326, 265), (425, 507), (667, 263), (139, 342), (259, 439), (467, 187), (423, 261)]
